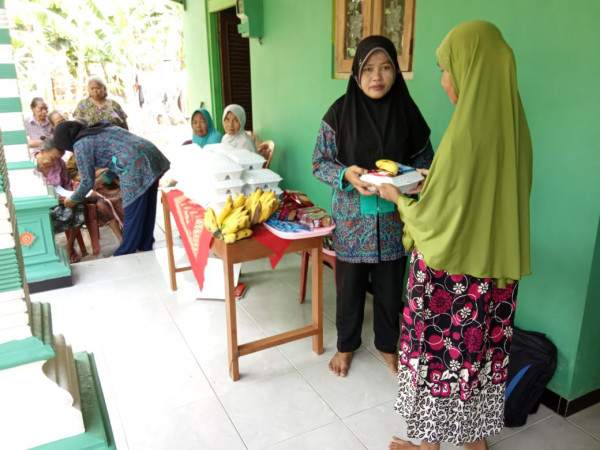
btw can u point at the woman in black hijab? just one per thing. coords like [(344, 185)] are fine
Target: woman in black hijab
[(375, 119)]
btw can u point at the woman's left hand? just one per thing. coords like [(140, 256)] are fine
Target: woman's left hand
[(389, 192), (70, 203)]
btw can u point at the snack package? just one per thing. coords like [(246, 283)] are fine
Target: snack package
[(287, 212), (309, 210), (316, 220), (297, 197)]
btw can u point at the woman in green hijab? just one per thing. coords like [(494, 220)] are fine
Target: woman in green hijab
[(469, 232)]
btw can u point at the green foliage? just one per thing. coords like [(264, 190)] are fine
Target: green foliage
[(74, 38)]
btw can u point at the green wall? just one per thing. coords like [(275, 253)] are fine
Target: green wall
[(195, 40), (557, 60)]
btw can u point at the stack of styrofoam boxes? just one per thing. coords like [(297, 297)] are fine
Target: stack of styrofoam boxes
[(254, 176), (206, 177)]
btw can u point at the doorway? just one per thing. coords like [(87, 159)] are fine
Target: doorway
[(234, 52)]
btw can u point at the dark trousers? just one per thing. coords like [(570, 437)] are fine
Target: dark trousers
[(352, 282), (138, 223)]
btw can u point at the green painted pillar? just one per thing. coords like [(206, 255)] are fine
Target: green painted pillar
[(46, 265)]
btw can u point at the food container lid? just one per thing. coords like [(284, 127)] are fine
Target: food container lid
[(260, 176), (246, 157)]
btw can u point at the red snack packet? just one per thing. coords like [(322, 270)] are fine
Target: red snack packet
[(300, 198), (316, 220), (308, 210), (287, 212)]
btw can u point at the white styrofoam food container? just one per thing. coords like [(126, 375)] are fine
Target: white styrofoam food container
[(247, 159), (264, 179), (405, 182)]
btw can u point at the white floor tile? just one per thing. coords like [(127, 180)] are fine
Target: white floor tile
[(553, 433), (369, 383), (541, 414), (331, 437), (588, 420), (199, 425), (274, 410)]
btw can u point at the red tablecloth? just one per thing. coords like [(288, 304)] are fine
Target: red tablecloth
[(189, 217)]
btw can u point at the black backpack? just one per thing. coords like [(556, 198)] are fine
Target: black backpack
[(532, 363)]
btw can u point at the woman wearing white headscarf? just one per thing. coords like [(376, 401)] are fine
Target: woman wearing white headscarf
[(234, 120)]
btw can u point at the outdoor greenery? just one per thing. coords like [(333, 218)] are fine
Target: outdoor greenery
[(59, 43)]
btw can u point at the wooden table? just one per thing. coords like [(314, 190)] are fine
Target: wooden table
[(248, 250)]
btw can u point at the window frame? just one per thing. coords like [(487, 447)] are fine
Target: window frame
[(373, 22)]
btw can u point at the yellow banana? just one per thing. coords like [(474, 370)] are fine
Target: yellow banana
[(235, 223), (225, 211), (255, 213), (388, 165), (229, 238), (210, 220), (267, 210), (243, 233), (239, 200)]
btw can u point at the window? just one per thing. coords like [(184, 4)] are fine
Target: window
[(355, 19)]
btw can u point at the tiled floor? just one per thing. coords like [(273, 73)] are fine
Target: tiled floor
[(162, 361)]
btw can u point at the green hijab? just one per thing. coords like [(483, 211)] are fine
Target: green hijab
[(473, 213)]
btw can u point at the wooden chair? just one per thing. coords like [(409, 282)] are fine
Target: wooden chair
[(328, 258), (266, 149)]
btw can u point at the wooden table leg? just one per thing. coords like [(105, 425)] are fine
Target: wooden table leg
[(317, 297), (169, 237), (230, 312)]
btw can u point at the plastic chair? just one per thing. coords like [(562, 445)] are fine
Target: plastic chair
[(328, 258), (266, 149)]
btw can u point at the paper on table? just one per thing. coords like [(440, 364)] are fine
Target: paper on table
[(67, 194), (214, 279)]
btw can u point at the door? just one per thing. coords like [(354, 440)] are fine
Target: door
[(235, 64)]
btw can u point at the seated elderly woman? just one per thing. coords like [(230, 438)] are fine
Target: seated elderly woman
[(204, 129), (98, 108), (37, 126), (64, 219), (234, 120)]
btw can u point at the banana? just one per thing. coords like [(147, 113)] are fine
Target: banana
[(243, 233), (225, 211), (229, 238), (266, 211), (255, 213), (388, 165), (210, 220), (234, 223), (239, 200), (252, 198)]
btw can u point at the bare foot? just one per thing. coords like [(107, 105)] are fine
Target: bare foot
[(400, 444), (391, 359), (340, 363)]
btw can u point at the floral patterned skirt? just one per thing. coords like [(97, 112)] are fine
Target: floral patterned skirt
[(454, 355)]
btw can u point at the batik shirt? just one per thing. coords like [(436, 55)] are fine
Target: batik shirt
[(368, 228), (136, 161), (111, 112)]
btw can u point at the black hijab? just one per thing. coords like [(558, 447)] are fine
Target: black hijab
[(67, 133), (366, 129)]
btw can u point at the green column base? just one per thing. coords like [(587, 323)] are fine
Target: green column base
[(98, 433)]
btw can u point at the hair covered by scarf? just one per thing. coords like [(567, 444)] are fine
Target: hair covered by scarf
[(241, 139), (473, 214), (67, 133), (212, 135), (369, 129)]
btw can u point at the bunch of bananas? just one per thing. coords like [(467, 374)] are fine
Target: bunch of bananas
[(261, 205), (237, 216), (387, 165)]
